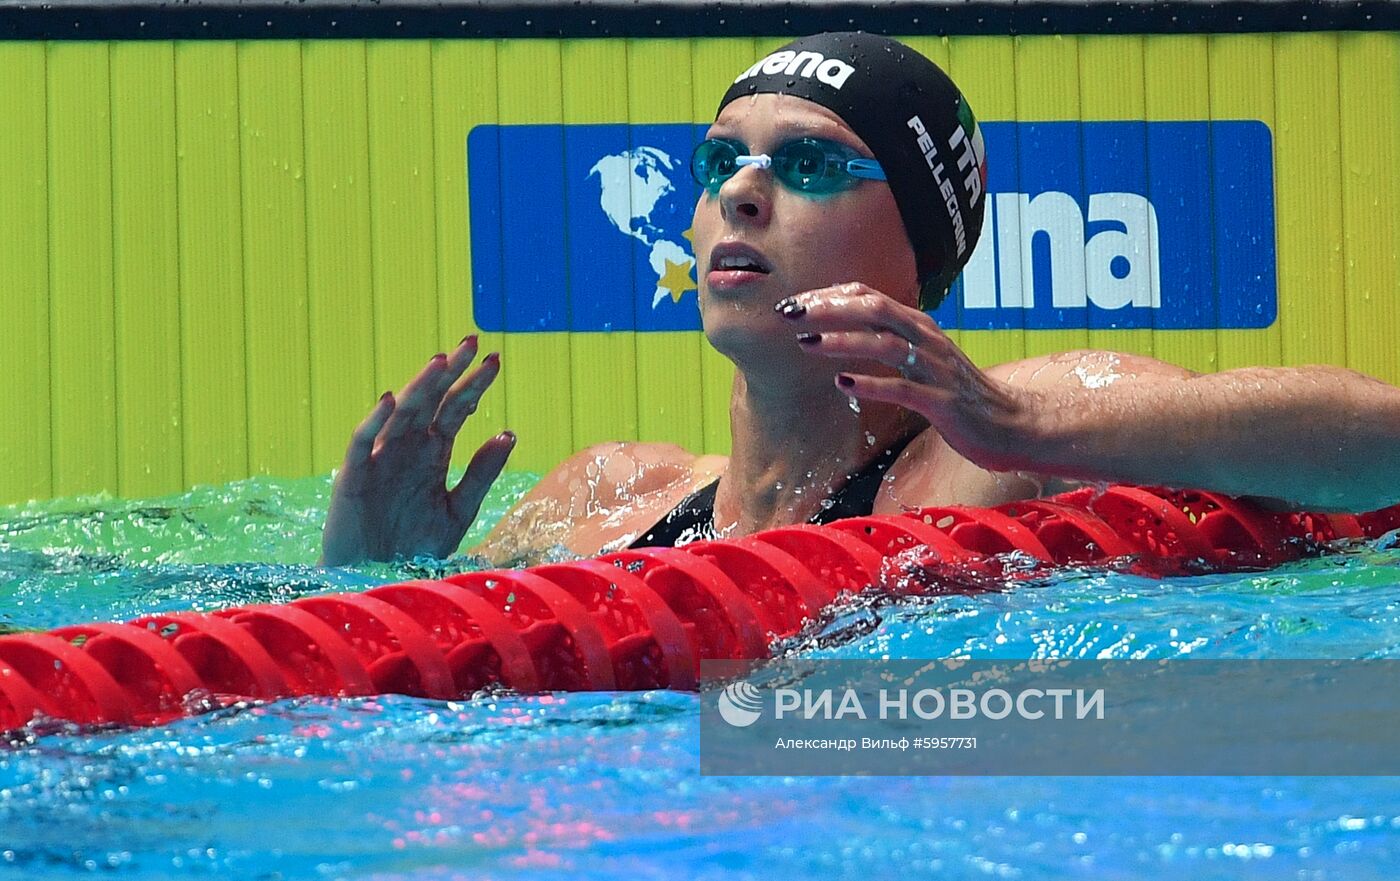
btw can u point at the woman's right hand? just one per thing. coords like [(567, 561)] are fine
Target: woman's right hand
[(390, 498)]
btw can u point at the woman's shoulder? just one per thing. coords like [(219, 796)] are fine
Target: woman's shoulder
[(627, 469), (601, 496), (930, 473), (1087, 368)]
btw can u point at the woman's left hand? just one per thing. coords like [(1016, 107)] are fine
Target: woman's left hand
[(980, 417)]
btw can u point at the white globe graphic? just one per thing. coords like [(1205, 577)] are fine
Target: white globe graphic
[(740, 704)]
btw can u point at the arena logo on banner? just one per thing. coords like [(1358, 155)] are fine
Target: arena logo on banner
[(1165, 225)]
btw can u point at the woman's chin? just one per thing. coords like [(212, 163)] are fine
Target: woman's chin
[(749, 339), (738, 317)]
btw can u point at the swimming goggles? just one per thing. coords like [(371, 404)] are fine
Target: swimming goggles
[(807, 165)]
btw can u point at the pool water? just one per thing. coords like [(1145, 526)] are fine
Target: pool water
[(607, 785)]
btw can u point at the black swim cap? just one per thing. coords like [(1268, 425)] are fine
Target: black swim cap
[(915, 121)]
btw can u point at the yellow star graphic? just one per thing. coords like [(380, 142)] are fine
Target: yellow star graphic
[(676, 279), (689, 235)]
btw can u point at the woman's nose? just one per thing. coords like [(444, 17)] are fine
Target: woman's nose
[(747, 197)]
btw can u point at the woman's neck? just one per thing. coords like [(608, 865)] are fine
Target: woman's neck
[(792, 448)]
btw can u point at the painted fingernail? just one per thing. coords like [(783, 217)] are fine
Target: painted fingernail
[(494, 357), (845, 380), (387, 396), (790, 308), (809, 339), (439, 358), (469, 338), (507, 436)]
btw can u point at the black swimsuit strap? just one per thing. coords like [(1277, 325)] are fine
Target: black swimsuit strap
[(694, 517)]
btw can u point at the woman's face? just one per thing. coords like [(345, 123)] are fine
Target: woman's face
[(803, 242)]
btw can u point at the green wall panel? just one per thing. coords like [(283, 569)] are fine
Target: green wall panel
[(339, 289), (213, 342), (146, 270), (273, 173), (26, 443), (82, 363)]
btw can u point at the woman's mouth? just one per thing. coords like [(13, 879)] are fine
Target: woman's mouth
[(733, 265)]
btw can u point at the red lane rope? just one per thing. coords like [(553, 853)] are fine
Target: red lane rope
[(311, 656), (227, 658), (837, 559), (985, 531), (70, 683), (479, 644), (156, 677), (633, 619), (720, 620), (646, 640), (785, 592), (568, 647), (1070, 535)]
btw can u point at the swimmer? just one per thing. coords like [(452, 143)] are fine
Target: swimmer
[(843, 182)]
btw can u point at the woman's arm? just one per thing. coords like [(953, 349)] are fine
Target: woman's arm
[(1323, 438), (1315, 437)]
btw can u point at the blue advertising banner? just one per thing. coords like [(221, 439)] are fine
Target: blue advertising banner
[(1163, 225)]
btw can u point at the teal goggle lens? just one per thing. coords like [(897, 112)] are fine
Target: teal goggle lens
[(807, 165)]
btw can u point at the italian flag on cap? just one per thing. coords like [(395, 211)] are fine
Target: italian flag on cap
[(974, 134)]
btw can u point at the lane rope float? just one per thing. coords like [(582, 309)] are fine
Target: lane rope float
[(629, 620)]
